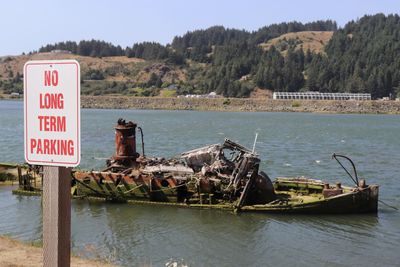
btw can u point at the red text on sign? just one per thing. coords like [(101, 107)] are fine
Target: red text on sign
[(52, 147), (52, 123), (51, 101), (50, 78)]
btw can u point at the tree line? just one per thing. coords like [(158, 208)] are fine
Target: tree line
[(360, 57), (195, 45), (92, 48)]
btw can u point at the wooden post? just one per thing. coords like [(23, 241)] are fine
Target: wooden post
[(56, 216)]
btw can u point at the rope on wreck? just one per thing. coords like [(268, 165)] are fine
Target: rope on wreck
[(393, 207)]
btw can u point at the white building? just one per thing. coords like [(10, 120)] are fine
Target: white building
[(320, 96), (59, 51), (210, 95)]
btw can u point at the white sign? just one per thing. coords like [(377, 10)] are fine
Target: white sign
[(52, 112)]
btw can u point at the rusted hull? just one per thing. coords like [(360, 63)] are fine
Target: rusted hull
[(127, 187), (142, 188), (147, 190), (363, 201)]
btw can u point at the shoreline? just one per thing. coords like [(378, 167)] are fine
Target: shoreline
[(16, 253), (238, 104), (242, 105)]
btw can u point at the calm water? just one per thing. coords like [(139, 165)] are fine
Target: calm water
[(289, 144)]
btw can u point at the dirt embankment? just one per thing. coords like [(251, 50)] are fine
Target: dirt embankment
[(241, 104), (16, 254)]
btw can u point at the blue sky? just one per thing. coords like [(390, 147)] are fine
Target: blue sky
[(29, 24)]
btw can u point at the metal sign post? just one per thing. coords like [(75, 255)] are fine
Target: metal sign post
[(56, 216), (52, 139)]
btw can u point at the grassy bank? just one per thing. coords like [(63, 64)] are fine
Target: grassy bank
[(241, 104)]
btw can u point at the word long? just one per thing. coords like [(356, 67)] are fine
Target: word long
[(51, 101)]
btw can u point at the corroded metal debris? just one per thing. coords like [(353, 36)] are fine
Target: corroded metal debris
[(220, 173)]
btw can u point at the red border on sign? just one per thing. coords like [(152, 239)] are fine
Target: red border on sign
[(77, 112)]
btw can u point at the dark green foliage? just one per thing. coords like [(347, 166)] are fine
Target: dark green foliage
[(176, 58), (67, 46), (362, 58), (198, 44), (116, 69), (147, 50), (230, 64), (280, 73), (155, 51), (93, 48), (12, 86), (154, 79), (102, 87), (150, 92), (93, 74), (158, 83), (7, 177)]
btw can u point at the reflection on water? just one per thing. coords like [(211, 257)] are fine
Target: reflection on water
[(20, 217), (148, 235), (289, 144)]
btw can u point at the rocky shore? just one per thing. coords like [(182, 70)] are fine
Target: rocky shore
[(241, 104)]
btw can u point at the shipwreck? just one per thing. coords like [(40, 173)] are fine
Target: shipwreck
[(221, 176)]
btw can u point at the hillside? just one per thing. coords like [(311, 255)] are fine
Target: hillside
[(15, 64), (115, 74), (361, 57), (314, 41)]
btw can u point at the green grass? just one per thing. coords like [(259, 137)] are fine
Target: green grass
[(296, 104), (168, 93)]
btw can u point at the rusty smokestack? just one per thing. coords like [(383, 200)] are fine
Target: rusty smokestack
[(125, 142)]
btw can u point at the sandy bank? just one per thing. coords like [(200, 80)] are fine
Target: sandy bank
[(242, 104), (17, 254)]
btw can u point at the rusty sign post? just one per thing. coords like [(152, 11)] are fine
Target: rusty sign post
[(52, 139)]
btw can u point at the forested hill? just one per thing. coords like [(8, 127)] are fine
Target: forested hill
[(317, 56), (361, 57)]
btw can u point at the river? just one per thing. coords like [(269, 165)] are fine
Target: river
[(290, 144)]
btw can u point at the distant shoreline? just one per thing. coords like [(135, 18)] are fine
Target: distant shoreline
[(242, 105), (238, 104)]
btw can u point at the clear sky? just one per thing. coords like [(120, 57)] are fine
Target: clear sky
[(29, 24)]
